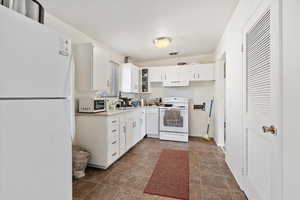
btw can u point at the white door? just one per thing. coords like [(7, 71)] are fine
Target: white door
[(35, 61), (187, 73), (155, 74), (101, 70), (134, 79), (35, 150), (125, 84), (171, 74), (142, 124), (122, 138), (130, 133), (205, 72), (262, 95), (136, 129)]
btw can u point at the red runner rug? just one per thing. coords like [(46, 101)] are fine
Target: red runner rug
[(170, 177)]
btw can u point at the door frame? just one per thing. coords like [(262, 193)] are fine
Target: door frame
[(276, 7), (220, 101)]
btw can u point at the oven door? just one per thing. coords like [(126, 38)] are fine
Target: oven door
[(174, 120), (99, 105)]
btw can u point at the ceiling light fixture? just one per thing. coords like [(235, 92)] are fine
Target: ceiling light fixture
[(162, 42)]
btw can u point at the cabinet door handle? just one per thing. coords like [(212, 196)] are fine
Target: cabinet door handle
[(114, 154), (165, 76), (115, 130), (270, 129), (114, 121), (194, 75), (198, 76), (114, 142), (124, 129)]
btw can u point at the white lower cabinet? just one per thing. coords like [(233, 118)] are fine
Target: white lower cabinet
[(123, 130), (113, 139), (152, 122), (133, 134), (129, 134), (142, 123), (107, 138)]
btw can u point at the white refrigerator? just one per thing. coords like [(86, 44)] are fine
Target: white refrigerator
[(36, 115)]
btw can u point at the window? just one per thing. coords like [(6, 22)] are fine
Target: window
[(115, 70)]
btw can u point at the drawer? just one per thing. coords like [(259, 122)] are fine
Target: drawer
[(113, 151), (113, 123), (113, 135)]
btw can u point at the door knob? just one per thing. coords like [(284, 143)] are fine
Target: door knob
[(270, 129)]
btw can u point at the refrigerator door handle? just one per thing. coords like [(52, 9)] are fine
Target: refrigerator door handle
[(72, 98)]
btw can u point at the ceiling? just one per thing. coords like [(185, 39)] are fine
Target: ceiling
[(129, 26)]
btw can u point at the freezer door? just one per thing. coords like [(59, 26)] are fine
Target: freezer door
[(35, 150), (34, 61)]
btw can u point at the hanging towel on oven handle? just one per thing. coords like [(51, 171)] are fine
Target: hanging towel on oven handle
[(173, 118)]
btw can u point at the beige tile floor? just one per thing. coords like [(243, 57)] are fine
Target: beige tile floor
[(210, 178)]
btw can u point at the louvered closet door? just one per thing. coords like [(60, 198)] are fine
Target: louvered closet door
[(262, 104)]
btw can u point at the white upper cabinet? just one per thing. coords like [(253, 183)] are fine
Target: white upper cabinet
[(206, 72), (199, 72), (161, 74), (135, 72), (155, 74), (188, 73), (83, 55), (129, 78), (92, 71), (171, 73)]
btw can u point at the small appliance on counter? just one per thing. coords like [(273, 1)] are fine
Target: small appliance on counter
[(125, 102), (91, 104), (112, 103), (154, 102)]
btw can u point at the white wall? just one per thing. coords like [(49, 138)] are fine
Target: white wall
[(231, 44), (78, 37), (104, 54), (291, 99)]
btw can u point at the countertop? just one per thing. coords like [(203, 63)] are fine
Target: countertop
[(114, 112)]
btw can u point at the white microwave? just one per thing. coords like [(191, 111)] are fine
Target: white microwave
[(91, 105)]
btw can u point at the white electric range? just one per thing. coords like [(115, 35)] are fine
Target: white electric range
[(174, 119)]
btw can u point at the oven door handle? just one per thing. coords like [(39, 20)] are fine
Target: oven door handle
[(172, 108)]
